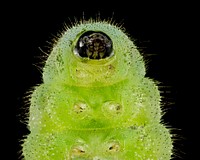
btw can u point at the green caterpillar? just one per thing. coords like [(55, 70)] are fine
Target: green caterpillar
[(95, 102)]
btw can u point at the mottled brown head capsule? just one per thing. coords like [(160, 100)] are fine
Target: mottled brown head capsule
[(94, 45)]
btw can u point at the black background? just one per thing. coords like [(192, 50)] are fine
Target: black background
[(162, 32)]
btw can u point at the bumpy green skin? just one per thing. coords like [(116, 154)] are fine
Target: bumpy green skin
[(96, 109)]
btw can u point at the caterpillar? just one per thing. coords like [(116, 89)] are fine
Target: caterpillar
[(96, 102)]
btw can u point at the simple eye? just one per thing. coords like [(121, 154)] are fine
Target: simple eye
[(94, 45)]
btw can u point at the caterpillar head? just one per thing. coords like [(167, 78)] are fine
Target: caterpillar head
[(93, 54), (94, 45)]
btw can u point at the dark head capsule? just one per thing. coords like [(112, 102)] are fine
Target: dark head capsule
[(94, 45)]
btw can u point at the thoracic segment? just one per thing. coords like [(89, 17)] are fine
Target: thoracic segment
[(151, 141), (111, 106)]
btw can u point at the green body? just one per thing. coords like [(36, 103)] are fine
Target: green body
[(96, 109)]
